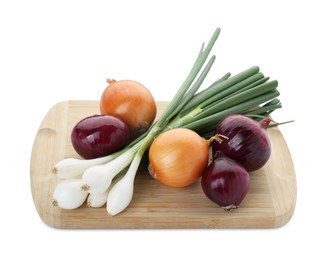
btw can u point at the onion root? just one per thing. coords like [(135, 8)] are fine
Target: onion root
[(229, 208)]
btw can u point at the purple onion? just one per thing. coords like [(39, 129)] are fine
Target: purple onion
[(225, 182), (247, 143), (99, 135)]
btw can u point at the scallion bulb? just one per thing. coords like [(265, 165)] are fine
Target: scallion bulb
[(68, 194)]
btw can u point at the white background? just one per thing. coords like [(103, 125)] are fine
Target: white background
[(60, 50)]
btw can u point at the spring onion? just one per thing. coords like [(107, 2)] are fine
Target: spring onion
[(69, 194)]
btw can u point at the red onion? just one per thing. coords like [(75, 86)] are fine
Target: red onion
[(99, 135), (225, 182), (248, 142)]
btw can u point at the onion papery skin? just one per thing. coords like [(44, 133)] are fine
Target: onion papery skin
[(178, 157), (248, 142), (131, 102), (99, 135), (225, 182)]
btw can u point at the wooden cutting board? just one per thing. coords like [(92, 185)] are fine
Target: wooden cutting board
[(270, 201)]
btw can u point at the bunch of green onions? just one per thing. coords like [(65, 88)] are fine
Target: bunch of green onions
[(249, 93)]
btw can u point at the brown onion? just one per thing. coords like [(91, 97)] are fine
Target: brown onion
[(178, 157), (131, 102)]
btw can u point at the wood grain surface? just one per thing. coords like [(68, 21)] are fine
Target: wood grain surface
[(269, 203)]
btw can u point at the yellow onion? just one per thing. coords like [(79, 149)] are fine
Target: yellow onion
[(178, 157), (131, 102)]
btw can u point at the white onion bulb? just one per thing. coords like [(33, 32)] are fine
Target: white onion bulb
[(121, 194), (71, 168), (69, 194), (97, 200), (97, 179)]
